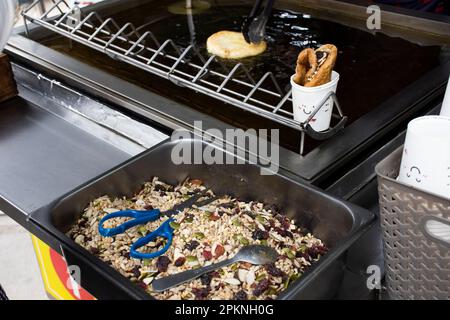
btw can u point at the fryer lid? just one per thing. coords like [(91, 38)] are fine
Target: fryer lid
[(336, 222)]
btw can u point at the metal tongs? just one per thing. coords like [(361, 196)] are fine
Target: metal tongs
[(254, 26)]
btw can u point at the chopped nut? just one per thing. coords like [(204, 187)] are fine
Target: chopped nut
[(219, 250), (232, 281), (242, 274)]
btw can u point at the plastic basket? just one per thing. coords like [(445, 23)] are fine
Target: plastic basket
[(417, 258)]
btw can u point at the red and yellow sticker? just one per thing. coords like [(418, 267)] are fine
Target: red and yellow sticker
[(55, 274)]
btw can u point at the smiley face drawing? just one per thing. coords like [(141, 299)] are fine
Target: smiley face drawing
[(416, 174), (308, 110)]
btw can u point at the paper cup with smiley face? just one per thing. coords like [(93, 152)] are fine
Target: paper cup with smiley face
[(306, 99), (426, 155)]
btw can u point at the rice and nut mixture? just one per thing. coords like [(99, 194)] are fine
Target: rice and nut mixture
[(202, 236)]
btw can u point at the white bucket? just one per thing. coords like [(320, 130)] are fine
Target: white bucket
[(306, 99)]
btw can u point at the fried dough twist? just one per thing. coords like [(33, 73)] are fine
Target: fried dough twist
[(314, 68)]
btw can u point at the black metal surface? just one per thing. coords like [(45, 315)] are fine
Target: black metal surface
[(43, 157), (337, 223), (315, 167)]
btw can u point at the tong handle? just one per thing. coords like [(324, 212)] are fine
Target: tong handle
[(140, 217), (254, 26), (164, 231)]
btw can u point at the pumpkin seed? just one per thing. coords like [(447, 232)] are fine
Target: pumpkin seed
[(262, 276), (174, 225), (237, 223), (244, 241), (143, 230), (290, 254), (147, 262), (191, 259), (199, 235), (260, 219), (207, 214), (271, 291), (237, 236)]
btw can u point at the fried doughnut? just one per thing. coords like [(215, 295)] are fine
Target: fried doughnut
[(314, 68), (232, 45)]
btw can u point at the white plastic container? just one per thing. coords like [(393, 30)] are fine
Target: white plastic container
[(426, 156), (445, 110), (306, 99), (7, 17)]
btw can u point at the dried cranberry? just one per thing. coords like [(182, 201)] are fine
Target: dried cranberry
[(261, 287), (207, 255), (286, 224), (192, 245), (136, 272), (273, 270), (200, 293), (82, 223), (206, 279), (126, 254), (179, 262), (236, 210), (304, 255), (259, 234), (142, 284), (162, 263), (220, 286), (241, 295), (160, 187), (284, 232), (148, 207), (94, 250), (271, 207), (317, 250)]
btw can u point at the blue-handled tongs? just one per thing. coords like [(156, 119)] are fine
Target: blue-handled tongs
[(142, 217), (254, 26)]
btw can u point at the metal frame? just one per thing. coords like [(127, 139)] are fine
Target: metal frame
[(125, 43)]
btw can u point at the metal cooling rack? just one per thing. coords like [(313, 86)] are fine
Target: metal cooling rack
[(185, 67)]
